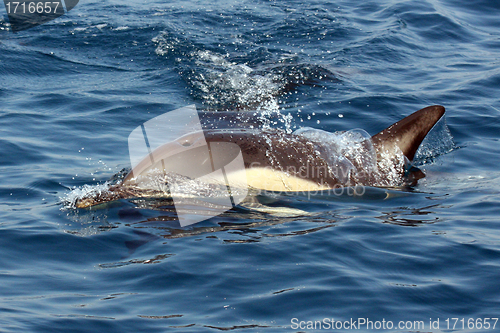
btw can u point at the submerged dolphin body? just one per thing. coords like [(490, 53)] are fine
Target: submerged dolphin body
[(278, 161)]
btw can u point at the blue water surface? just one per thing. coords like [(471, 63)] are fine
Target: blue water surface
[(73, 89)]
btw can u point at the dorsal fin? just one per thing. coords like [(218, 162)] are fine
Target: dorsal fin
[(409, 132)]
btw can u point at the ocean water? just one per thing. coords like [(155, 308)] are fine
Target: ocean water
[(73, 89)]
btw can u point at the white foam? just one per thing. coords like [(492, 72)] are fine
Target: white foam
[(82, 192), (230, 83), (352, 158)]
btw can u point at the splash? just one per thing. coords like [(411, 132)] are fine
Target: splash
[(438, 141), (153, 184), (352, 158), (229, 82), (83, 192), (221, 84)]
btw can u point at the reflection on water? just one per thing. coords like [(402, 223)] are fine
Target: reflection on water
[(247, 225), (413, 217)]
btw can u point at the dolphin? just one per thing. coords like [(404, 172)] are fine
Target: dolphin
[(275, 160)]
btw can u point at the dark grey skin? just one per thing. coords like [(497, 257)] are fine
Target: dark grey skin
[(282, 152)]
